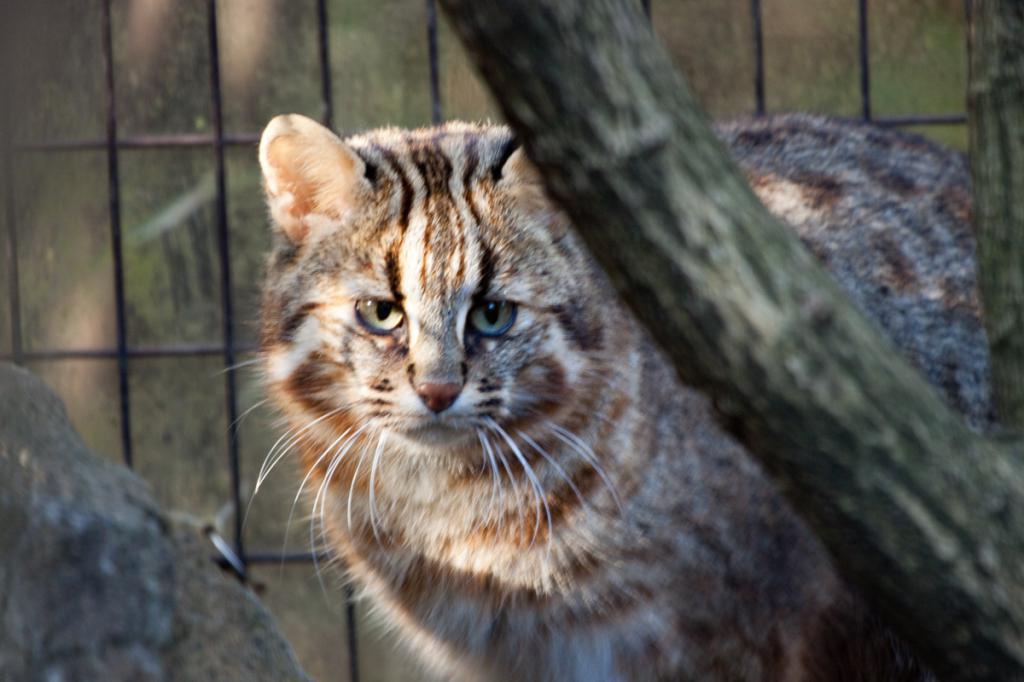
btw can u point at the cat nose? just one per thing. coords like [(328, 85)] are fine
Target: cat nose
[(438, 397)]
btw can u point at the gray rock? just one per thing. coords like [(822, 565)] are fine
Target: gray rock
[(95, 582)]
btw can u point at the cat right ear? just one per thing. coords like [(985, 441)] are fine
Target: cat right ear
[(311, 178)]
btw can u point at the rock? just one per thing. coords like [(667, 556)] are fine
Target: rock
[(95, 582)]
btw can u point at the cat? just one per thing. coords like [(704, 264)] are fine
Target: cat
[(509, 469)]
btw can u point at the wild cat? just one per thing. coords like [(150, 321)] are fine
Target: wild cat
[(505, 464)]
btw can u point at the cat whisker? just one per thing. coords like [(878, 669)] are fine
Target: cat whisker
[(239, 365), (270, 453), (587, 454), (265, 471), (270, 464), (321, 499), (249, 411), (540, 497), (343, 450), (373, 477), (260, 476), (312, 536), (497, 494), (575, 443), (352, 487), (302, 486), (555, 465), (273, 460), (511, 480)]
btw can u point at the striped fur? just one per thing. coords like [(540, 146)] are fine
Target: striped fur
[(576, 514)]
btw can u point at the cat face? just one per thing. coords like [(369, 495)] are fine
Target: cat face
[(422, 284)]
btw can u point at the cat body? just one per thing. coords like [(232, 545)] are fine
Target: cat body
[(509, 469)]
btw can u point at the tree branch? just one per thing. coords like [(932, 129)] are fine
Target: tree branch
[(921, 514), (996, 104)]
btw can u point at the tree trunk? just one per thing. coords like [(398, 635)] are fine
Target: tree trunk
[(922, 515), (996, 104)]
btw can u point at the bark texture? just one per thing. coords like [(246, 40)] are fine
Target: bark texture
[(996, 105), (923, 515)]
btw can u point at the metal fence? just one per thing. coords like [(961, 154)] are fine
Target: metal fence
[(233, 553)]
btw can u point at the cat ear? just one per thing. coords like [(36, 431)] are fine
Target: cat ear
[(524, 182), (311, 178), (516, 172), (514, 167)]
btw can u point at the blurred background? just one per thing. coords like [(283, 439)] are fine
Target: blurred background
[(133, 228)]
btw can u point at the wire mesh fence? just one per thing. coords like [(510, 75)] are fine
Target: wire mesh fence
[(232, 551)]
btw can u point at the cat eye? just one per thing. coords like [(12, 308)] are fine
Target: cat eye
[(492, 318), (380, 317)]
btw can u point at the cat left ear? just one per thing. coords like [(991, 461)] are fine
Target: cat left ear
[(514, 167), (515, 171), (524, 182), (311, 178)]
